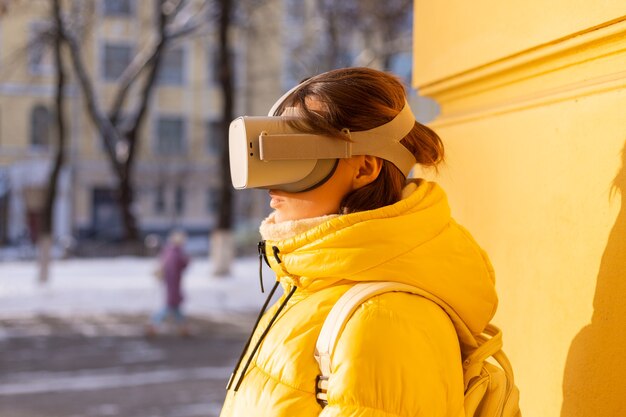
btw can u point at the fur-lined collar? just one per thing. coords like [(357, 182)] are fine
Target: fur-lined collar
[(271, 230)]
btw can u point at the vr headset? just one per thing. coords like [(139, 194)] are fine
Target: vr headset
[(266, 152)]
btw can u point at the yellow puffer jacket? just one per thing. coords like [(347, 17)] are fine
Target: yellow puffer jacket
[(399, 353)]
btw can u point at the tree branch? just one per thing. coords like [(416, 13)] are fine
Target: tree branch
[(126, 80), (146, 59), (107, 130), (185, 30), (147, 90)]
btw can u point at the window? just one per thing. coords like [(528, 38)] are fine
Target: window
[(213, 200), (215, 138), (116, 59), (106, 215), (172, 69), (159, 200), (39, 49), (118, 7), (179, 200), (170, 136), (40, 123)]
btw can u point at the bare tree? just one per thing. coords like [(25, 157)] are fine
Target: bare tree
[(248, 18), (175, 19), (222, 246), (45, 237)]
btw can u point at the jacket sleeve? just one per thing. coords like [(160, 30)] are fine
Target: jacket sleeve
[(397, 356)]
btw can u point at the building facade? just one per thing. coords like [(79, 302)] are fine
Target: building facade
[(176, 173)]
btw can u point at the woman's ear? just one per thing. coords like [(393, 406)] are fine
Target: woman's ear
[(367, 169)]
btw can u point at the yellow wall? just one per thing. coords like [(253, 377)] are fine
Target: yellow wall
[(533, 99)]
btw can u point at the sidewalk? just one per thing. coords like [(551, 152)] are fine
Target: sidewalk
[(75, 347)]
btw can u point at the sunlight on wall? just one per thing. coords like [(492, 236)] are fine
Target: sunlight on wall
[(533, 123)]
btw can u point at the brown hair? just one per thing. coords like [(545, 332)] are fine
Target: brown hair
[(361, 99)]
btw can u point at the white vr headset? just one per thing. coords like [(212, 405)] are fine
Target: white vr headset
[(265, 152)]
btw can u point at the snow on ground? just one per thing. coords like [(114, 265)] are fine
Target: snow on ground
[(127, 285)]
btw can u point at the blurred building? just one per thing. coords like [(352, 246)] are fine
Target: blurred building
[(177, 171)]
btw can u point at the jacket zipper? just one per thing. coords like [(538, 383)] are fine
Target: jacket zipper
[(261, 250)]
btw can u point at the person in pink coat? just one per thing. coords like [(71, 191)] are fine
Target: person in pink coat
[(172, 263)]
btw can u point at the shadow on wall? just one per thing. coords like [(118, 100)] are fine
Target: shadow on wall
[(594, 383)]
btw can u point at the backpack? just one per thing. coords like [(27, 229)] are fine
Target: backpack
[(490, 390)]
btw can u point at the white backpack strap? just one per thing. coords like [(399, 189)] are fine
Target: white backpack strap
[(336, 321), (353, 298), (341, 312), (345, 307)]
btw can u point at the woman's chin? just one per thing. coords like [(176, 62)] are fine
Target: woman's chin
[(283, 216), (279, 217)]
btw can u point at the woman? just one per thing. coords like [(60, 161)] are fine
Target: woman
[(399, 354)]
